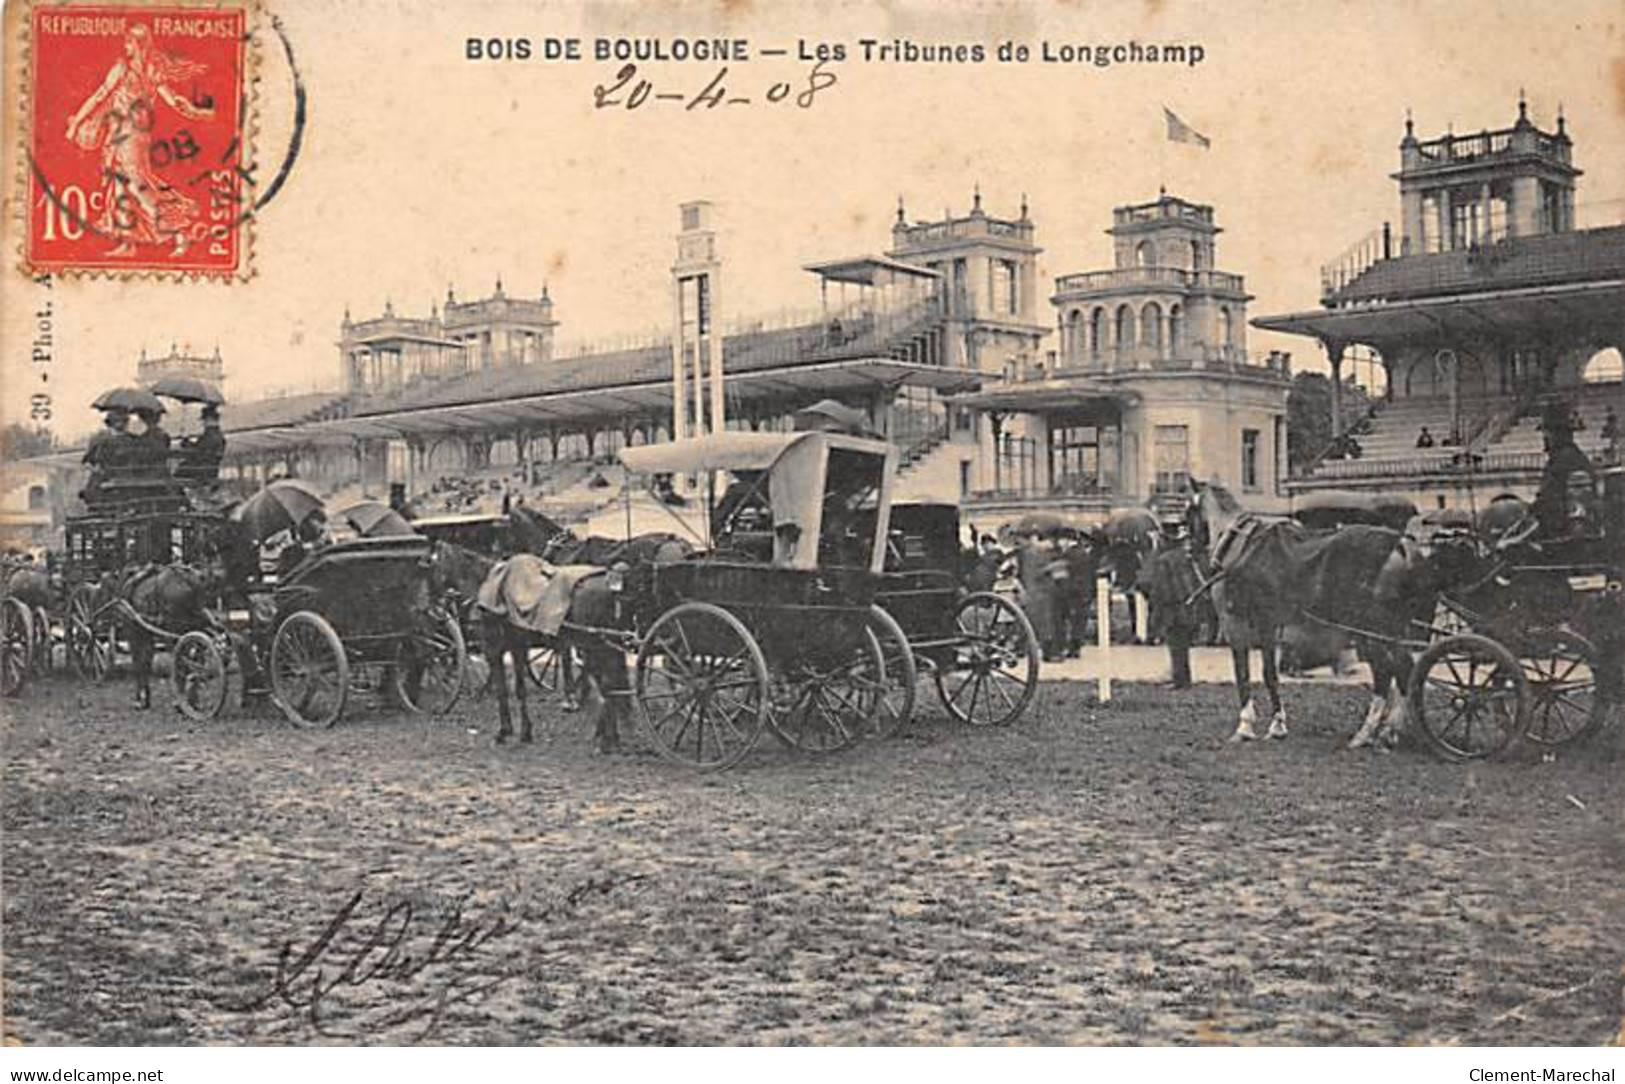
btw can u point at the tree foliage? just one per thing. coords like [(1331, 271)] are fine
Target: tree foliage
[(1309, 415), (18, 441)]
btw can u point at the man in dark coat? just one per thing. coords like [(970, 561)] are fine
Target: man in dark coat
[(1567, 470), (204, 451), (1168, 579)]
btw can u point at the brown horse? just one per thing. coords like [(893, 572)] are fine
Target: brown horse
[(158, 600), (1367, 583)]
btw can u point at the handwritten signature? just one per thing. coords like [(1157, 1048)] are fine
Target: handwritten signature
[(380, 976)]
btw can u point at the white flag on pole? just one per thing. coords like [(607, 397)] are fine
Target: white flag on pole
[(1180, 132)]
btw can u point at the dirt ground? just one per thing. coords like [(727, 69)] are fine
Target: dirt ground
[(1086, 876)]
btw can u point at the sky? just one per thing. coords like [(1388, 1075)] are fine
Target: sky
[(421, 169)]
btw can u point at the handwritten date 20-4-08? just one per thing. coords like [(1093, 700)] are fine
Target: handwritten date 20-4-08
[(630, 90)]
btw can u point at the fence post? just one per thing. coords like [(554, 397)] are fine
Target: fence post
[(1103, 635)]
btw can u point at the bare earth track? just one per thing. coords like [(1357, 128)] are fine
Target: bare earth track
[(1086, 876)]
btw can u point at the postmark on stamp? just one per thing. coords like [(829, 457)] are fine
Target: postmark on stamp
[(137, 139)]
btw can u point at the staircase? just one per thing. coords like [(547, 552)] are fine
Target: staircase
[(930, 472)]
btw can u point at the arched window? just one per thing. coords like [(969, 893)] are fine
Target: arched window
[(1604, 367), (1227, 327), (1176, 328), (1125, 327), (1074, 334), (1097, 330), (1151, 326), (1144, 255), (1196, 255)]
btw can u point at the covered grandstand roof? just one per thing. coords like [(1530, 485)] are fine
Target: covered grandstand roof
[(1504, 310), (576, 405)]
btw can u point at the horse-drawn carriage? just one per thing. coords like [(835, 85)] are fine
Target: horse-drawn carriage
[(1498, 634), (356, 615), (806, 612), (1532, 645), (109, 544), (776, 626)]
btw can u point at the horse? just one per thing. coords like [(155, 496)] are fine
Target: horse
[(593, 605), (1369, 583), (157, 600)]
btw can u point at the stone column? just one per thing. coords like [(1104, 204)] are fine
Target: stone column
[(679, 380), (1334, 353)]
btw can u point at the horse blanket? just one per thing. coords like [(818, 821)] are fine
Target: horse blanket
[(531, 593)]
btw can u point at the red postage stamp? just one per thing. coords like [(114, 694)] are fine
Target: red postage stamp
[(137, 142)]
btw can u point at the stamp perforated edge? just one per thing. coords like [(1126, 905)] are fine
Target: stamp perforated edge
[(18, 125)]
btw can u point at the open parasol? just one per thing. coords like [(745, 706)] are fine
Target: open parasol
[(189, 389), (1335, 507), (128, 398), (1046, 524), (374, 519), (280, 506), (1131, 525)]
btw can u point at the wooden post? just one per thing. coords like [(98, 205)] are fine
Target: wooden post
[(1103, 622)]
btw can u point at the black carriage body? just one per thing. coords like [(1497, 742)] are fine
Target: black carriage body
[(924, 577), (798, 616), (373, 591), (99, 544)]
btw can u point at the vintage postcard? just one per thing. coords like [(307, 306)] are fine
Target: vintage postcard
[(846, 523)]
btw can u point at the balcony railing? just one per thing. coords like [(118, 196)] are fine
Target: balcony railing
[(1164, 209), (1164, 359), (978, 226), (1174, 277), (1468, 148)]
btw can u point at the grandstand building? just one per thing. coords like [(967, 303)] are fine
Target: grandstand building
[(1151, 384), (1489, 302), (938, 340)]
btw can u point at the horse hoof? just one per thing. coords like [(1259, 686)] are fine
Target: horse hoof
[(1278, 728), (1243, 733), (502, 739)]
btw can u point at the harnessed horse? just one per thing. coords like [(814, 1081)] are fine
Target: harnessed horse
[(1370, 584)]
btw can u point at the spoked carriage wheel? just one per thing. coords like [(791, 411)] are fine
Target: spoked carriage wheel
[(1563, 703), (16, 642), (1469, 696), (995, 670), (834, 710), (431, 667), (701, 687), (90, 636), (310, 675), (41, 658), (548, 670), (901, 678), (199, 676)]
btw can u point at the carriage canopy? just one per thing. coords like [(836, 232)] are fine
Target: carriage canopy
[(820, 486)]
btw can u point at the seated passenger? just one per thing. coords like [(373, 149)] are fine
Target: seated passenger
[(154, 447), (112, 453), (204, 451)]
